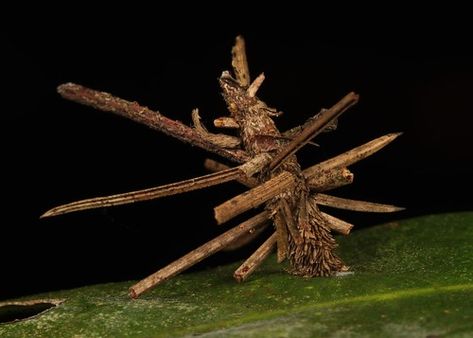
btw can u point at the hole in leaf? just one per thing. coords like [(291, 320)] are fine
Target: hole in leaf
[(16, 311)]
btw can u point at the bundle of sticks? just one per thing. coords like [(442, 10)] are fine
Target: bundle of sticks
[(288, 196)]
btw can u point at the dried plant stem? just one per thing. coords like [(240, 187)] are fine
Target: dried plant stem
[(148, 194), (289, 220), (324, 181), (253, 88), (240, 63), (349, 204), (315, 127), (153, 119), (214, 166), (352, 156), (243, 171), (281, 231), (255, 260), (330, 179), (246, 238), (220, 140), (198, 254), (255, 165), (254, 197), (226, 122), (337, 224)]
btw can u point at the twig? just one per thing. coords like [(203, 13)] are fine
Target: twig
[(153, 119), (220, 140), (253, 88), (254, 197), (291, 133), (255, 260), (255, 165), (324, 181), (316, 126), (214, 166), (289, 220), (356, 205), (281, 232), (329, 179), (352, 156), (198, 254), (246, 238), (226, 122), (239, 62), (147, 194), (337, 224), (244, 171)]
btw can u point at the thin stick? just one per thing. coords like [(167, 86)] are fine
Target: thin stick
[(147, 194), (289, 220), (255, 260), (281, 231), (352, 156), (220, 140), (291, 133), (246, 238), (214, 166), (255, 165), (356, 205), (337, 224), (198, 254), (226, 122), (239, 62), (253, 88), (153, 119), (254, 197), (324, 181), (330, 179), (315, 128)]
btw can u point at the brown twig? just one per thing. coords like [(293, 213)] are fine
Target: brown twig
[(352, 156), (214, 166), (226, 122), (147, 194), (220, 140), (198, 254), (153, 119), (356, 205), (329, 179), (239, 62), (246, 238), (253, 88), (316, 126), (255, 260), (289, 220), (254, 197), (337, 224), (281, 232)]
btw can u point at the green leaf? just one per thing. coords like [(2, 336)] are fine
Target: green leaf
[(412, 279)]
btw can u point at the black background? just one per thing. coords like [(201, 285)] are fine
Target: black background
[(417, 80)]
